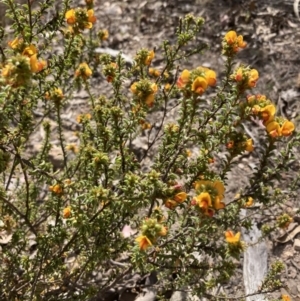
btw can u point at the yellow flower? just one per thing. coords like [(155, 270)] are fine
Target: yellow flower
[(209, 75), (217, 186), (149, 58), (36, 65), (150, 100), (8, 70), (250, 202), (230, 37), (252, 78), (14, 44), (133, 88), (231, 238), (286, 297), (57, 189), (267, 113), (67, 212), (144, 242), (239, 74), (249, 145), (287, 128), (273, 128), (218, 204), (203, 200), (233, 41), (199, 85), (92, 19), (70, 17), (171, 204), (183, 79), (83, 71), (29, 51), (180, 197)]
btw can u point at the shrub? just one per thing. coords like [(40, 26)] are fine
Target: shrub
[(112, 207)]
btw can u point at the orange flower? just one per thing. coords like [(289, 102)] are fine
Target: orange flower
[(171, 204), (209, 75), (70, 17), (144, 242), (230, 37), (57, 189), (267, 113), (67, 212), (199, 85), (286, 297), (149, 58), (91, 18), (29, 51), (250, 202), (183, 79), (180, 197), (249, 145), (218, 204), (83, 71), (273, 128), (35, 65), (252, 78), (239, 75), (14, 44), (233, 41), (287, 128), (231, 238), (203, 200)]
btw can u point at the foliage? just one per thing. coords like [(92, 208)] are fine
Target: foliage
[(61, 225)]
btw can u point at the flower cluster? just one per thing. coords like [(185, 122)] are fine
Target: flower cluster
[(197, 80), (109, 71), (264, 109), (18, 69), (56, 95), (83, 71), (80, 19), (232, 43), (151, 230), (209, 196), (144, 57), (245, 77), (145, 91)]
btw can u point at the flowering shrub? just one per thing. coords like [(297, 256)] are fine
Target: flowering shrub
[(62, 224)]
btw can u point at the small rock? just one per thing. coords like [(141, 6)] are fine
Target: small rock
[(297, 244)]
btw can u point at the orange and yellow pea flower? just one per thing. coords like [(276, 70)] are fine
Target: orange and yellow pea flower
[(67, 212), (277, 130), (57, 189), (199, 85), (75, 17), (149, 58), (233, 41), (232, 238), (144, 242), (183, 79)]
